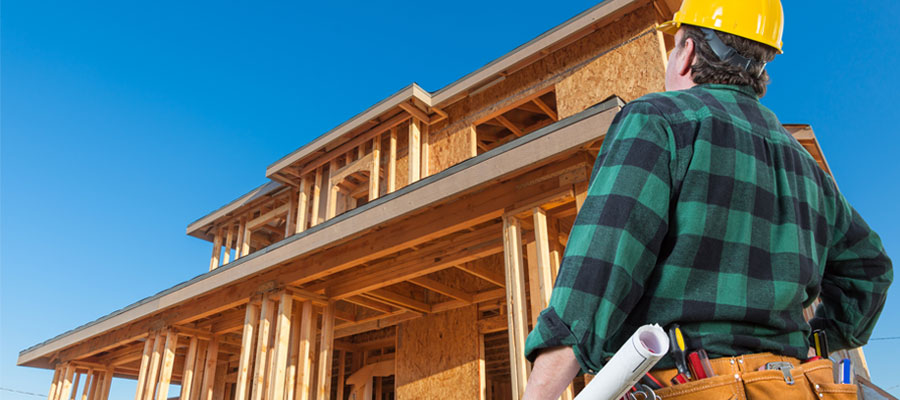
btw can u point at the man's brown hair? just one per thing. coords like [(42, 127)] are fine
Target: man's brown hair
[(707, 67)]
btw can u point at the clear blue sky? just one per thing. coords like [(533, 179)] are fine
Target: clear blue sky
[(122, 122)]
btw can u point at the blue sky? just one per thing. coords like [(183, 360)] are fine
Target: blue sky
[(123, 122)]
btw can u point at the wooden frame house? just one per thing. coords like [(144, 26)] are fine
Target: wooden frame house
[(404, 254)]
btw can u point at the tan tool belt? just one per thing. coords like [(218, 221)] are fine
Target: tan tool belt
[(739, 378)]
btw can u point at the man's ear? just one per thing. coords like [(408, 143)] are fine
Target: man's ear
[(686, 58)]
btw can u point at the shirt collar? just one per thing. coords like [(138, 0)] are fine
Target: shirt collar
[(747, 90)]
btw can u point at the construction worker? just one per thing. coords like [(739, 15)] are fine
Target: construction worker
[(703, 211)]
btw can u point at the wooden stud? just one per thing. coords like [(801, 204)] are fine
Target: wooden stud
[(269, 216), (168, 365), (302, 202), (54, 384), (304, 377), (199, 366), (426, 150), (258, 391), (217, 250), (325, 348), (473, 141), (316, 197), (239, 243), (153, 372), (290, 224), (245, 243), (107, 382), (509, 125), (88, 382), (544, 265), (226, 258), (414, 157), (545, 108), (482, 370), (392, 162), (374, 174), (248, 338), (534, 287), (333, 191), (210, 374), (75, 386), (282, 346), (293, 358), (415, 112), (515, 303), (187, 377), (342, 366), (580, 195), (378, 388), (217, 390)]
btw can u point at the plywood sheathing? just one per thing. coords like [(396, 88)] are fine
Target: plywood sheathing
[(555, 68), (438, 352)]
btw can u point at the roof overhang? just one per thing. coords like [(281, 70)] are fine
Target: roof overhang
[(200, 227)]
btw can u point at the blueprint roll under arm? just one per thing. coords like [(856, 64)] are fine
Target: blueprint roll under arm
[(634, 359)]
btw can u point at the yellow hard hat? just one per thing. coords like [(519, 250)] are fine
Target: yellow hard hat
[(758, 20)]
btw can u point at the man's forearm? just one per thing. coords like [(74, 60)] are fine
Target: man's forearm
[(553, 370)]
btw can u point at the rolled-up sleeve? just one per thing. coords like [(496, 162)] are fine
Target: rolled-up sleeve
[(615, 241)]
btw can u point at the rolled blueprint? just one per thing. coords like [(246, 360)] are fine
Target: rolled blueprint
[(634, 359)]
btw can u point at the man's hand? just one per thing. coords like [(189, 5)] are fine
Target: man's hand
[(553, 370)]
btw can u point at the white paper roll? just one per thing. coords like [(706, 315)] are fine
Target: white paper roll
[(634, 359)]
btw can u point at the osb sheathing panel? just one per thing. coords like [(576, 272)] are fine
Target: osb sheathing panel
[(437, 356), (629, 72), (544, 73)]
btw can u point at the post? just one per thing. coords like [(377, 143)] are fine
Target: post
[(333, 190), (107, 382), (187, 379), (290, 223), (325, 348), (290, 382), (473, 141), (88, 382), (515, 303), (262, 348), (342, 365), (414, 156), (153, 372), (316, 197), (251, 318), (75, 385), (217, 250), (282, 346), (239, 243), (168, 365), (209, 370), (245, 243), (199, 366), (392, 162), (580, 195), (374, 173), (145, 366), (306, 336), (302, 201), (54, 384), (229, 237), (426, 150)]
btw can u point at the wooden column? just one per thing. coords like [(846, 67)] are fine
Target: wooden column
[(54, 384), (333, 190), (262, 349), (107, 382), (473, 141), (145, 367), (375, 172), (580, 195), (168, 365), (342, 365), (75, 385), (229, 237), (282, 346), (245, 242), (290, 224), (248, 338), (88, 381), (290, 382), (515, 303), (392, 162), (217, 250), (218, 385), (304, 377), (198, 368), (302, 202), (414, 157), (426, 150), (316, 197), (209, 370), (325, 348), (187, 377), (153, 371)]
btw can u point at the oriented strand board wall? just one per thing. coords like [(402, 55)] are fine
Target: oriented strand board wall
[(437, 356), (630, 71), (547, 72)]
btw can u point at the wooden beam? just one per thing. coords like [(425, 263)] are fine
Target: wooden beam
[(153, 373), (414, 155), (374, 178), (168, 365), (187, 377), (325, 348), (304, 378), (145, 367), (316, 197), (483, 273), (392, 162), (580, 190), (210, 374), (248, 338), (370, 304), (440, 287), (268, 216), (515, 302), (493, 324), (281, 346), (546, 109), (416, 112), (400, 300), (509, 125), (266, 321)]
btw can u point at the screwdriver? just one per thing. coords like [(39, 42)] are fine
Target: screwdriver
[(678, 353)]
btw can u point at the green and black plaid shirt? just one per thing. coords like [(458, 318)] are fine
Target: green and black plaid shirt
[(703, 211)]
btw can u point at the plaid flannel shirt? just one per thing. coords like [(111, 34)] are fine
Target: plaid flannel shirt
[(703, 211)]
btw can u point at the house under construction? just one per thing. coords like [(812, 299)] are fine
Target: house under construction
[(405, 253)]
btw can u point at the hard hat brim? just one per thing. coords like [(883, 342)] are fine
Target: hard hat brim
[(669, 28)]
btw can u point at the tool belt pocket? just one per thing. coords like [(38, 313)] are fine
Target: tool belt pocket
[(809, 381), (820, 377), (715, 388)]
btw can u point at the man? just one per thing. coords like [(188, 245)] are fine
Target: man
[(704, 212)]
